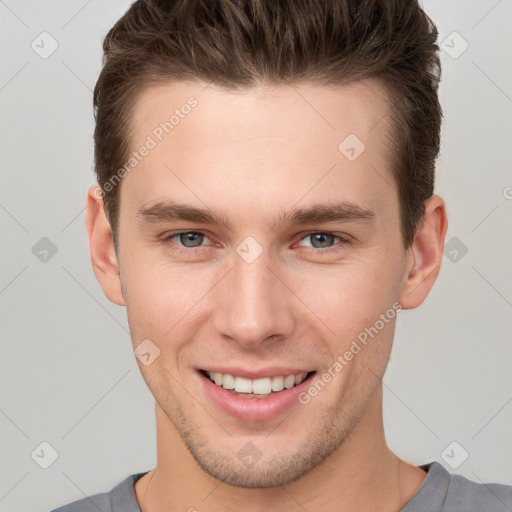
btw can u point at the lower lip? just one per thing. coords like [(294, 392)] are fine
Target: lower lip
[(253, 409)]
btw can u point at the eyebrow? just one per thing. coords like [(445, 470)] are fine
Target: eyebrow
[(318, 213)]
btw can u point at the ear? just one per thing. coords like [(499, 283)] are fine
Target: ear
[(101, 244), (425, 254)]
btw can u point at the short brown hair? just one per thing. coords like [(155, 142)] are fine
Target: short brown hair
[(237, 44)]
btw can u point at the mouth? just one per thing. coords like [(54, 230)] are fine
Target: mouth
[(263, 387), (258, 399)]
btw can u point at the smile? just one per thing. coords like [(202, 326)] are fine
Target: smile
[(262, 387), (259, 398)]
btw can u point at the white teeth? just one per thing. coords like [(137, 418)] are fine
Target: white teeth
[(243, 385), (299, 378), (289, 382), (277, 383), (228, 382), (263, 386)]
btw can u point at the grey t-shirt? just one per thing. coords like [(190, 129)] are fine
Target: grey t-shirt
[(439, 492)]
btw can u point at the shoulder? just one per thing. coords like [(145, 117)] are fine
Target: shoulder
[(120, 499), (89, 504), (468, 495), (442, 491)]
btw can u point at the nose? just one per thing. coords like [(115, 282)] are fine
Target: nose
[(255, 305)]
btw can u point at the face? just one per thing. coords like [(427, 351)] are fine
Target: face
[(267, 286)]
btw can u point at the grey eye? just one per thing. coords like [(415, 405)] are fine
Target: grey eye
[(321, 240), (191, 239)]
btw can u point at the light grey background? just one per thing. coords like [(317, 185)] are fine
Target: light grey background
[(68, 373)]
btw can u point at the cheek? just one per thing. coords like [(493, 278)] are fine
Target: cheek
[(161, 297), (349, 296)]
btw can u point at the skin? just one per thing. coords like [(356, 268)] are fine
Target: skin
[(252, 155)]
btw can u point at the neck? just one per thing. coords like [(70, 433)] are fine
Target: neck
[(362, 474)]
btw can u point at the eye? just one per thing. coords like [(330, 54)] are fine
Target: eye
[(322, 240), (188, 239)]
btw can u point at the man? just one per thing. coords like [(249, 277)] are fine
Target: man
[(265, 209)]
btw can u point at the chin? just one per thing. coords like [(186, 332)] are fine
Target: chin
[(257, 465)]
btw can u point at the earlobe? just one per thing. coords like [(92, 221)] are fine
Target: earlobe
[(426, 253), (101, 244)]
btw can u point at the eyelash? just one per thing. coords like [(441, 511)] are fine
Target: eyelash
[(167, 240)]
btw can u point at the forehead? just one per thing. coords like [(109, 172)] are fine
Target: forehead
[(264, 110), (268, 145)]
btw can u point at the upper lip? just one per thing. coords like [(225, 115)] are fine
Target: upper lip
[(275, 371)]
